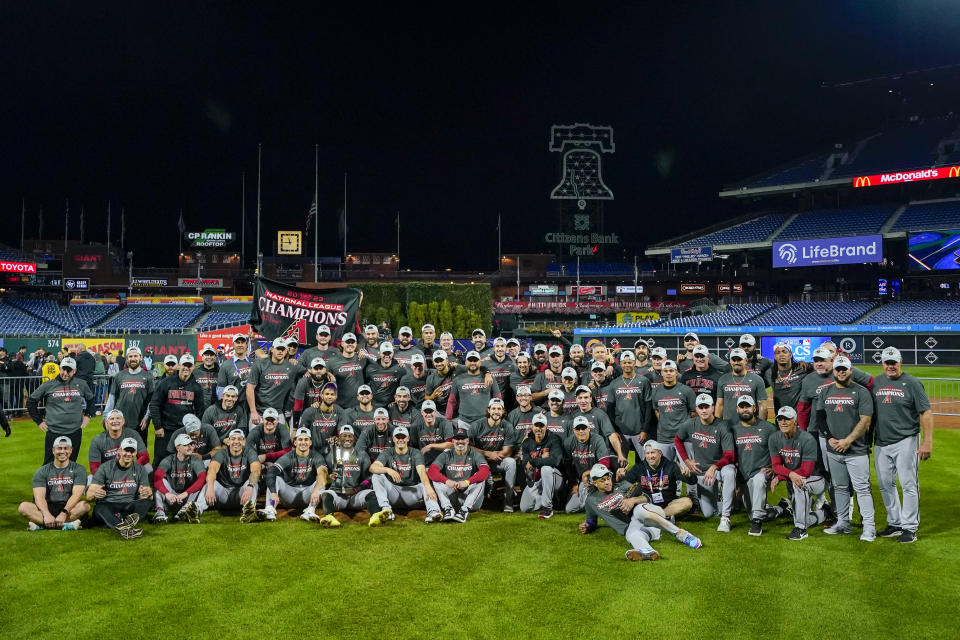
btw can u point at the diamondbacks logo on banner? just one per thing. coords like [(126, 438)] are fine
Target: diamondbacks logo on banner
[(280, 310)]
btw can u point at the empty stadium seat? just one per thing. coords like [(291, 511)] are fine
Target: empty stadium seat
[(910, 147), (916, 312), (223, 319), (152, 318), (801, 313), (756, 230), (827, 223), (735, 314), (929, 216), (16, 322)]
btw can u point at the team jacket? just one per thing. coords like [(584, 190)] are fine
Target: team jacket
[(174, 398)]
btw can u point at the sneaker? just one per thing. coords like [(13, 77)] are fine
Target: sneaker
[(380, 517), (130, 522), (249, 512), (636, 555), (890, 531), (756, 528), (131, 534), (434, 516), (821, 501), (508, 506), (829, 514), (797, 534), (838, 528), (449, 515), (689, 539), (786, 506), (269, 513), (908, 537), (724, 526), (869, 534), (71, 526), (329, 522), (191, 513), (461, 516), (310, 515), (33, 526), (160, 517), (546, 512)]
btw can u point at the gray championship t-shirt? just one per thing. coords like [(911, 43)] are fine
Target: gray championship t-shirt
[(898, 405)]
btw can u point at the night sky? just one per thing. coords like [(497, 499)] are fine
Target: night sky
[(439, 113)]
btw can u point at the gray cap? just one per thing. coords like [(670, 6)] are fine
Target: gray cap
[(401, 431), (182, 440), (63, 440), (582, 389), (599, 366), (134, 350), (404, 390), (555, 350), (303, 432), (569, 372), (191, 423), (129, 443), (270, 412), (581, 421), (738, 353), (187, 359), (169, 359), (842, 361), (748, 339), (68, 362), (348, 336), (787, 412), (236, 432), (598, 471), (891, 353), (472, 355), (555, 394), (704, 399), (386, 347), (364, 387), (380, 411), (318, 362), (439, 355), (669, 364), (428, 405), (540, 418), (231, 389), (208, 347), (346, 428), (746, 400)]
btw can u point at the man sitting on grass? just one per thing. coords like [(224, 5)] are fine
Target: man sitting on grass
[(399, 477), (121, 488), (232, 478), (57, 492), (178, 482), (344, 474)]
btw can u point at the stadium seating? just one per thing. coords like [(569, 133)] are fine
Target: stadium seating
[(49, 311), (916, 311), (806, 171), (929, 216), (223, 319), (595, 268), (911, 147), (735, 314), (150, 318), (756, 230), (801, 313), (828, 223), (89, 315), (16, 322)]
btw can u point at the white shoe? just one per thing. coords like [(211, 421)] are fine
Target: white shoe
[(839, 528), (310, 515), (724, 526), (33, 526), (71, 526), (869, 534), (270, 513)]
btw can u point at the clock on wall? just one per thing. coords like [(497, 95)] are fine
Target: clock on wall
[(290, 243)]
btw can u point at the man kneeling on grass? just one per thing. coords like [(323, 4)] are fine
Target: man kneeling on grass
[(57, 492), (232, 478), (634, 518), (178, 481), (121, 488), (293, 479), (399, 477)]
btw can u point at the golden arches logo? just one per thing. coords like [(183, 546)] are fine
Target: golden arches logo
[(863, 181), (954, 172)]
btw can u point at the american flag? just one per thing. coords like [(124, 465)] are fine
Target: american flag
[(312, 214)]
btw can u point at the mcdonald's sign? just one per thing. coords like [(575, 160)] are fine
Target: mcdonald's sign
[(907, 176)]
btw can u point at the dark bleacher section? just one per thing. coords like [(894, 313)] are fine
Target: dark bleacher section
[(929, 216), (911, 147), (801, 313), (595, 268), (828, 223), (89, 315), (756, 230), (224, 319), (155, 318), (16, 322), (916, 312), (735, 314), (807, 171)]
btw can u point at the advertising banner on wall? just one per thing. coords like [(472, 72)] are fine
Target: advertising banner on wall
[(95, 345), (827, 251)]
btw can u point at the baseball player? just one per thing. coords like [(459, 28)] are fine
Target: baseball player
[(293, 479), (583, 449), (235, 371), (440, 380), (471, 392), (399, 477), (375, 441), (794, 459), (269, 441), (428, 342), (121, 488), (130, 391), (558, 420), (568, 385), (446, 343), (551, 377), (522, 416), (178, 482), (360, 417), (459, 475), (685, 358), (64, 414), (739, 382), (641, 350), (370, 350), (384, 375), (705, 446), (347, 486), (106, 444), (787, 377), (902, 413), (233, 478), (524, 374), (702, 377), (270, 383), (632, 517), (630, 395), (203, 437), (306, 393), (347, 368), (541, 455), (432, 433), (324, 419), (673, 404), (751, 437), (479, 339), (415, 379), (57, 492), (599, 421), (406, 349), (659, 479), (760, 365), (658, 355), (208, 373), (540, 360), (577, 355), (227, 414), (513, 348), (501, 367), (495, 439), (323, 350), (843, 414), (596, 380), (174, 396), (402, 412)]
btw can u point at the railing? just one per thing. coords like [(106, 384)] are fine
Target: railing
[(944, 395), (14, 391)]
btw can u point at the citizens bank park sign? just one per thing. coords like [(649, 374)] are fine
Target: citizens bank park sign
[(18, 267)]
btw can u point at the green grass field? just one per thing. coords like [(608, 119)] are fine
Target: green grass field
[(497, 576)]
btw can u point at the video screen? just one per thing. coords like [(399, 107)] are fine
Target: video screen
[(802, 346), (934, 250)]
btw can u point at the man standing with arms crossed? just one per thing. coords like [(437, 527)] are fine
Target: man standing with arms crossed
[(64, 398), (902, 413), (630, 396), (174, 397), (739, 382), (471, 393)]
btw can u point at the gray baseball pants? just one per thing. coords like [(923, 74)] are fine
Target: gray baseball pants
[(847, 471), (389, 494), (540, 495), (899, 461), (470, 498), (227, 497)]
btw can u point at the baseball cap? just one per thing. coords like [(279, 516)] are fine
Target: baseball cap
[(598, 366), (279, 343), (405, 331), (555, 394), (821, 352), (318, 362), (513, 341), (569, 372), (63, 440), (581, 421), (524, 391), (292, 341), (401, 431), (691, 334), (270, 412), (232, 389), (428, 326), (576, 347), (461, 433), (364, 387), (555, 351), (738, 353), (170, 359), (439, 355), (891, 353), (641, 341), (658, 352), (221, 346), (598, 471), (787, 412), (130, 443), (748, 339), (191, 423), (349, 337), (186, 359), (303, 431), (842, 362), (537, 348), (237, 337), (782, 345), (650, 444), (472, 355), (704, 398), (182, 439), (208, 347), (346, 428), (70, 362), (628, 355), (417, 358), (371, 327), (746, 400), (380, 411), (386, 347), (540, 418), (701, 350), (401, 389), (134, 350), (323, 330), (236, 432), (479, 332), (428, 405), (582, 388), (495, 402), (669, 364), (499, 341), (114, 412)]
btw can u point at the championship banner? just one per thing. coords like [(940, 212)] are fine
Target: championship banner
[(94, 345), (279, 310)]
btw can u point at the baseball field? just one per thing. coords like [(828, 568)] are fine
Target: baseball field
[(497, 576)]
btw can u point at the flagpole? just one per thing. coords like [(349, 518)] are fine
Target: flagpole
[(81, 225), (259, 151), (316, 191), (499, 247), (108, 226), (344, 216), (123, 227), (243, 219), (40, 226), (180, 231), (66, 228), (398, 239), (23, 221)]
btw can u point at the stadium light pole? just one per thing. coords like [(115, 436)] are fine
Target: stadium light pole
[(316, 190), (259, 255), (130, 273)]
